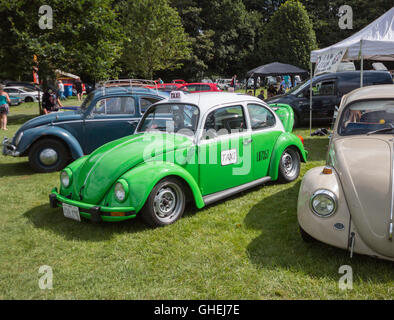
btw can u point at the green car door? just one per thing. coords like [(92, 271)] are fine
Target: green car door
[(265, 132), (225, 150)]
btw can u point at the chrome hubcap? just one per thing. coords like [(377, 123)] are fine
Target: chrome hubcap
[(289, 164), (168, 202), (48, 156)]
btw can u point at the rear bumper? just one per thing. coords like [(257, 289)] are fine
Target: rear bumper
[(9, 149), (93, 212)]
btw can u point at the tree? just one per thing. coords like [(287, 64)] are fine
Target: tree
[(202, 44), (235, 31), (325, 17), (265, 7), (288, 37), (155, 37), (85, 39)]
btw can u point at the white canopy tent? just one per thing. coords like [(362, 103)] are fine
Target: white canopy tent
[(374, 42)]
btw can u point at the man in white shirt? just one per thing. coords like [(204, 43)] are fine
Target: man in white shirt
[(60, 87)]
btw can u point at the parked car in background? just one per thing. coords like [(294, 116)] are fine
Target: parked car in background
[(179, 81), (328, 90), (349, 202), (223, 84), (23, 84), (197, 148), (15, 101), (206, 81), (166, 87), (199, 87), (24, 94), (51, 141)]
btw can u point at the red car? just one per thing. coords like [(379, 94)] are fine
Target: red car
[(200, 87), (179, 81), (168, 87)]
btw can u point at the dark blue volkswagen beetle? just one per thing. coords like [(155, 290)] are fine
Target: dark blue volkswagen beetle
[(52, 141)]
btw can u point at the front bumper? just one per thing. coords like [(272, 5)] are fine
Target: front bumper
[(93, 212), (9, 149)]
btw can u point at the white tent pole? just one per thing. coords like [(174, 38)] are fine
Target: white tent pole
[(362, 64), (310, 101)]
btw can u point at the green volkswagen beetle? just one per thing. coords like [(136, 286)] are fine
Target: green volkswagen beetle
[(197, 148)]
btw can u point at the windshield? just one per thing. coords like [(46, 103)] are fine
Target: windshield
[(365, 117), (298, 88), (85, 104), (178, 118)]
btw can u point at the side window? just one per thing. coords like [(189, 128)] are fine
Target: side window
[(146, 102), (324, 88), (260, 117), (204, 87), (115, 105), (224, 121), (192, 88)]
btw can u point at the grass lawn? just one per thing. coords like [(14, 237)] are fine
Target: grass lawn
[(247, 247)]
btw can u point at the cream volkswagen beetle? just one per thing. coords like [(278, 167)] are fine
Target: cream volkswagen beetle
[(349, 203)]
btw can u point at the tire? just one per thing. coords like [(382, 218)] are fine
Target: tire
[(48, 155), (289, 165), (305, 236), (29, 99), (155, 212)]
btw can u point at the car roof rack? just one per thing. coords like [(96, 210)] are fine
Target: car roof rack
[(128, 83)]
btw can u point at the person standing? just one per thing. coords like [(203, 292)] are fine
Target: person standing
[(271, 92), (78, 87), (4, 108), (233, 82), (60, 87)]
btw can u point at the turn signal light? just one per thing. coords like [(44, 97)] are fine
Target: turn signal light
[(117, 214), (327, 170), (302, 139)]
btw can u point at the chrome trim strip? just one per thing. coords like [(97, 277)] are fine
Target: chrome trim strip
[(208, 199)]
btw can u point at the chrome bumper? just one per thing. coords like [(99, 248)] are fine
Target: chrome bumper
[(9, 149)]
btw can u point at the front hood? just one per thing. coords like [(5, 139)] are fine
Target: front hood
[(283, 98), (49, 118), (365, 168), (109, 162)]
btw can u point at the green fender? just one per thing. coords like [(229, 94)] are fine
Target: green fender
[(285, 114), (284, 141), (144, 177)]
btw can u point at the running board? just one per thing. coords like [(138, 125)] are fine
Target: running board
[(213, 197)]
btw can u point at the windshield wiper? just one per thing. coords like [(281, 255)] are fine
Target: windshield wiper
[(381, 130)]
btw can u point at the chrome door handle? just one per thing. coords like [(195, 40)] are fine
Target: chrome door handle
[(133, 122), (247, 141)]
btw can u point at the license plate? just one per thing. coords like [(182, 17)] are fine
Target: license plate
[(71, 212)]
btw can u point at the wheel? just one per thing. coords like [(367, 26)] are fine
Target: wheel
[(29, 99), (289, 165), (165, 204), (305, 236), (48, 155)]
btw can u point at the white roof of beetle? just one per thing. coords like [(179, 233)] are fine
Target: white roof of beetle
[(384, 91), (207, 100)]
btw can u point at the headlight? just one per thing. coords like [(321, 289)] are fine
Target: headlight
[(18, 138), (121, 190), (65, 178), (323, 203)]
